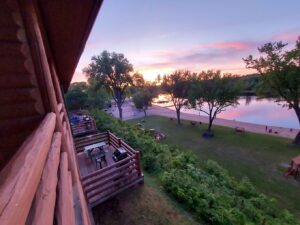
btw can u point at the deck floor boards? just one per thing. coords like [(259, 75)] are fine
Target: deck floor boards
[(88, 166)]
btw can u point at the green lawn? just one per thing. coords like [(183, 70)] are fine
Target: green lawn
[(259, 157), (143, 205)]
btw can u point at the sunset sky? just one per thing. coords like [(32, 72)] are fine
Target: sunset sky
[(159, 36)]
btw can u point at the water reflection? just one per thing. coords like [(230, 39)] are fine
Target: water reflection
[(248, 99), (250, 109)]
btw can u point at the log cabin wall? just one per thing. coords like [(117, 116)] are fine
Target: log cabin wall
[(39, 178), (22, 108)]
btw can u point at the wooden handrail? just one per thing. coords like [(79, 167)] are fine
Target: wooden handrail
[(21, 176), (104, 188), (101, 181), (42, 209), (128, 147), (103, 175), (106, 168), (65, 212), (115, 140)]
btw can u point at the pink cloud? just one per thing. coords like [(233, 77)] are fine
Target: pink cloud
[(229, 45), (288, 36)]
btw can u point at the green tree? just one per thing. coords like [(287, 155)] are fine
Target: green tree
[(142, 99), (138, 82), (280, 74), (112, 71), (97, 95), (212, 93), (76, 97), (177, 85)]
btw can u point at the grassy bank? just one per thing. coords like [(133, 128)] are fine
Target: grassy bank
[(259, 157), (143, 205)]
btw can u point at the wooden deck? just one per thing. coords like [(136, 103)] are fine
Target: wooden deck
[(83, 127), (88, 166), (101, 184)]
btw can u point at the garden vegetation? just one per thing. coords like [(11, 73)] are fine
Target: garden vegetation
[(206, 190)]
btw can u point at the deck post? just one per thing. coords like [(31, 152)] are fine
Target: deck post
[(108, 137), (138, 158)]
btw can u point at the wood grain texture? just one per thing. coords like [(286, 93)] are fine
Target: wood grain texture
[(65, 210), (42, 209), (20, 177)]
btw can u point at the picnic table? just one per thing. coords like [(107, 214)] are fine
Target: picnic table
[(90, 148), (93, 146)]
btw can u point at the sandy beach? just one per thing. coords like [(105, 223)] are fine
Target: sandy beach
[(129, 112)]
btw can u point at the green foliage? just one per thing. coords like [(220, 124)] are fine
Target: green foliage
[(112, 71), (280, 74), (208, 191), (142, 99), (82, 96), (177, 85), (214, 90), (76, 97)]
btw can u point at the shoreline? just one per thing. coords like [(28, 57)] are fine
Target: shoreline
[(249, 127), (129, 112)]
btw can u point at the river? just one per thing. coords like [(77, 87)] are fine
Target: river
[(250, 109)]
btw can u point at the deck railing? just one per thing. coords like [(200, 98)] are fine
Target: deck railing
[(38, 185), (104, 183), (83, 127)]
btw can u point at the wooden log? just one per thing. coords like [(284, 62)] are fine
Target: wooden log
[(89, 137), (20, 177), (65, 210), (82, 198), (59, 107), (13, 126), (16, 81), (70, 186), (83, 203), (19, 110), (42, 209), (61, 117), (12, 96)]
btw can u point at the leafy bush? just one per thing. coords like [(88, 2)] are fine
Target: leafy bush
[(208, 191)]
